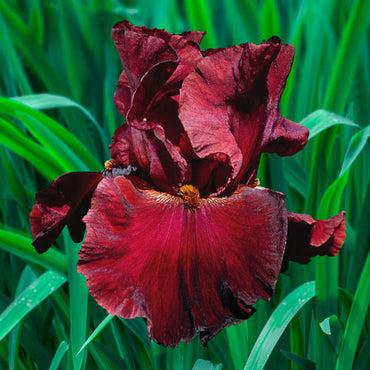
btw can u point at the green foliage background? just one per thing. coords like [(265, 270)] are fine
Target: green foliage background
[(59, 69)]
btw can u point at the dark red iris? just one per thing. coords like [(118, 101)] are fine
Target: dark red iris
[(178, 231)]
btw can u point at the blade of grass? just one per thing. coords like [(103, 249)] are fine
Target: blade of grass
[(269, 19), (355, 320), (53, 101), (237, 337), (60, 352), (31, 297), (53, 128), (100, 327), (20, 245), (199, 15), (23, 37), (355, 147), (362, 243), (206, 365), (78, 297), (321, 120), (277, 323), (18, 142), (27, 277), (350, 44)]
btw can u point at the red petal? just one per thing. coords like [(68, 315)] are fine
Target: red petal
[(286, 137), (140, 53), (203, 111), (122, 97), (63, 203), (185, 270), (155, 63), (152, 153), (309, 238), (229, 104), (194, 36), (189, 53)]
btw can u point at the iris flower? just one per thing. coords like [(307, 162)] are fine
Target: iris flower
[(177, 229)]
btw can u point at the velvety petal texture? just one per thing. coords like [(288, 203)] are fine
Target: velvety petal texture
[(232, 98), (178, 232), (161, 63), (64, 202), (153, 153), (308, 237), (185, 269), (145, 95)]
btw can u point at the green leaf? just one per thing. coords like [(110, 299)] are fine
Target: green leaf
[(198, 13), (304, 363), (27, 278), (53, 101), (206, 365), (100, 327), (269, 19), (363, 358), (277, 323), (60, 352), (332, 198), (343, 73), (78, 302), (50, 133), (31, 297), (296, 177), (354, 149), (321, 120), (138, 327), (346, 299), (332, 327), (355, 320), (18, 142), (20, 244)]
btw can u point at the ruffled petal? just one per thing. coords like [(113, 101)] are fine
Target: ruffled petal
[(64, 202), (122, 97), (148, 51), (308, 237), (287, 137), (232, 97), (160, 64), (203, 109), (184, 269), (284, 136), (187, 48), (152, 153)]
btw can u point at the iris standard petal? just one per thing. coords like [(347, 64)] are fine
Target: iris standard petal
[(308, 237), (203, 107), (149, 51), (63, 203), (232, 97), (161, 63), (148, 254), (284, 137), (152, 153)]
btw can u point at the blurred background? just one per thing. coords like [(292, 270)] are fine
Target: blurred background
[(59, 69)]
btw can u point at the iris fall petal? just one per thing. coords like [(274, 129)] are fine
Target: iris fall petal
[(185, 270), (63, 203), (308, 237)]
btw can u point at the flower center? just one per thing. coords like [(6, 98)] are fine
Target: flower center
[(190, 196), (111, 163), (255, 183)]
